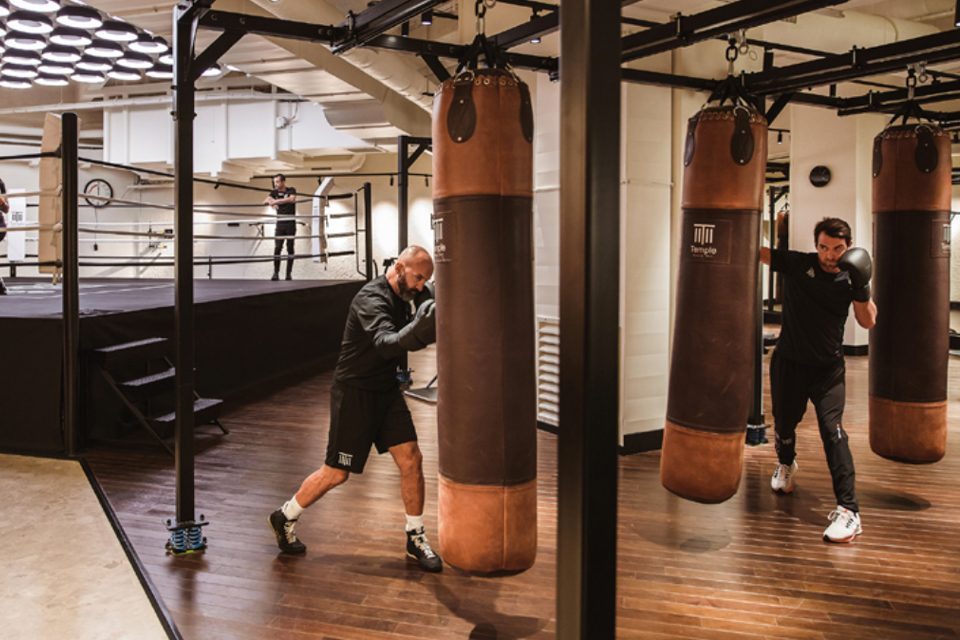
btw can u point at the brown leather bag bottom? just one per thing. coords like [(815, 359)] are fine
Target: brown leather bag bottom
[(487, 528), (908, 431), (701, 465)]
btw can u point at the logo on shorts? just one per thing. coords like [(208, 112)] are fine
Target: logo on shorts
[(344, 458)]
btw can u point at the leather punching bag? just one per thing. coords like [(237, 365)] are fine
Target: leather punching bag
[(909, 346), (486, 414), (714, 343)]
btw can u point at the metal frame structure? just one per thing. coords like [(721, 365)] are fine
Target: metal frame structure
[(586, 586)]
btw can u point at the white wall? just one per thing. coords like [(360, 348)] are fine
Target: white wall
[(25, 174)]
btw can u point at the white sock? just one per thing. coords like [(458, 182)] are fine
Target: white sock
[(291, 509), (414, 522)]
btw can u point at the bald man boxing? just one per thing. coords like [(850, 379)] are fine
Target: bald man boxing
[(366, 405)]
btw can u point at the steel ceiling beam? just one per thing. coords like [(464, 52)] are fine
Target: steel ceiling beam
[(262, 26), (686, 30), (857, 63), (362, 27)]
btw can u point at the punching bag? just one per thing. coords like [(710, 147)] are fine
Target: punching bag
[(909, 345), (486, 413), (714, 338)]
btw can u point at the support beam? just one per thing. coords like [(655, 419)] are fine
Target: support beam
[(433, 62), (687, 30), (456, 52), (523, 33), (589, 303), (185, 23), (275, 27), (214, 52), (69, 129)]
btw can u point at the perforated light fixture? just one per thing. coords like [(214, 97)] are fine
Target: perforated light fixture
[(17, 71), (166, 58), (29, 58), (127, 75), (79, 17), (145, 43), (15, 83), (70, 37), (89, 63), (134, 60), (117, 31), (161, 71), (26, 22), (88, 77), (58, 53), (104, 49), (39, 6), (24, 42), (4, 9), (51, 81), (56, 69)]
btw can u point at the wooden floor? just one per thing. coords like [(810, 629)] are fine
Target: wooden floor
[(753, 567)]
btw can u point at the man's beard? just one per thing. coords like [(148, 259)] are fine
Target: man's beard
[(406, 293)]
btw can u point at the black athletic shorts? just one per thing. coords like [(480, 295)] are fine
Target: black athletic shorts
[(286, 228), (360, 418)]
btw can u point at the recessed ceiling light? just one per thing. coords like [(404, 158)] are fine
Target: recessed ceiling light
[(29, 58), (104, 49), (212, 71), (161, 71), (89, 63), (123, 74), (70, 37), (117, 30), (88, 77), (24, 42), (56, 69), (134, 60), (15, 83), (40, 6), (18, 71), (79, 17), (58, 53), (51, 81), (26, 22), (145, 43)]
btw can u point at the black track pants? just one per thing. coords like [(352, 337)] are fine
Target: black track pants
[(791, 385)]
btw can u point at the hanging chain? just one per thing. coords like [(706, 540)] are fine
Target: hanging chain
[(911, 82), (480, 9), (731, 54)]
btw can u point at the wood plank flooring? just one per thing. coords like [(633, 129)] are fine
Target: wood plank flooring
[(753, 567)]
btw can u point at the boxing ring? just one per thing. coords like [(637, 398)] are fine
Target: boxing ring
[(250, 335), (256, 336)]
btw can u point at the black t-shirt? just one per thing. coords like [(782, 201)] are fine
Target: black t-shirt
[(369, 351), (815, 308), (287, 208)]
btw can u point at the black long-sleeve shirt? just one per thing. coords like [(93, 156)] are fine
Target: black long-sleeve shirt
[(370, 352)]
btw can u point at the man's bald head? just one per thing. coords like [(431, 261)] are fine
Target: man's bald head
[(411, 271)]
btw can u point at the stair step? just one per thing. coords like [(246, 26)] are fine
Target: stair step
[(152, 384), (143, 349), (204, 410)]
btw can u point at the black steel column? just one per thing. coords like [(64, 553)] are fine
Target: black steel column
[(756, 429), (71, 279), (403, 192), (368, 229), (589, 319), (184, 33), (773, 245)]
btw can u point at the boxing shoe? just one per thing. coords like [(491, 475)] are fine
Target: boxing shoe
[(844, 525), (283, 528), (783, 479), (419, 549)]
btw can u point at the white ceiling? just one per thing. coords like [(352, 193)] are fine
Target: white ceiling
[(352, 95)]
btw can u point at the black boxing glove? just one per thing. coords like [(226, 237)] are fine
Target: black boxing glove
[(429, 293), (857, 263), (422, 330)]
